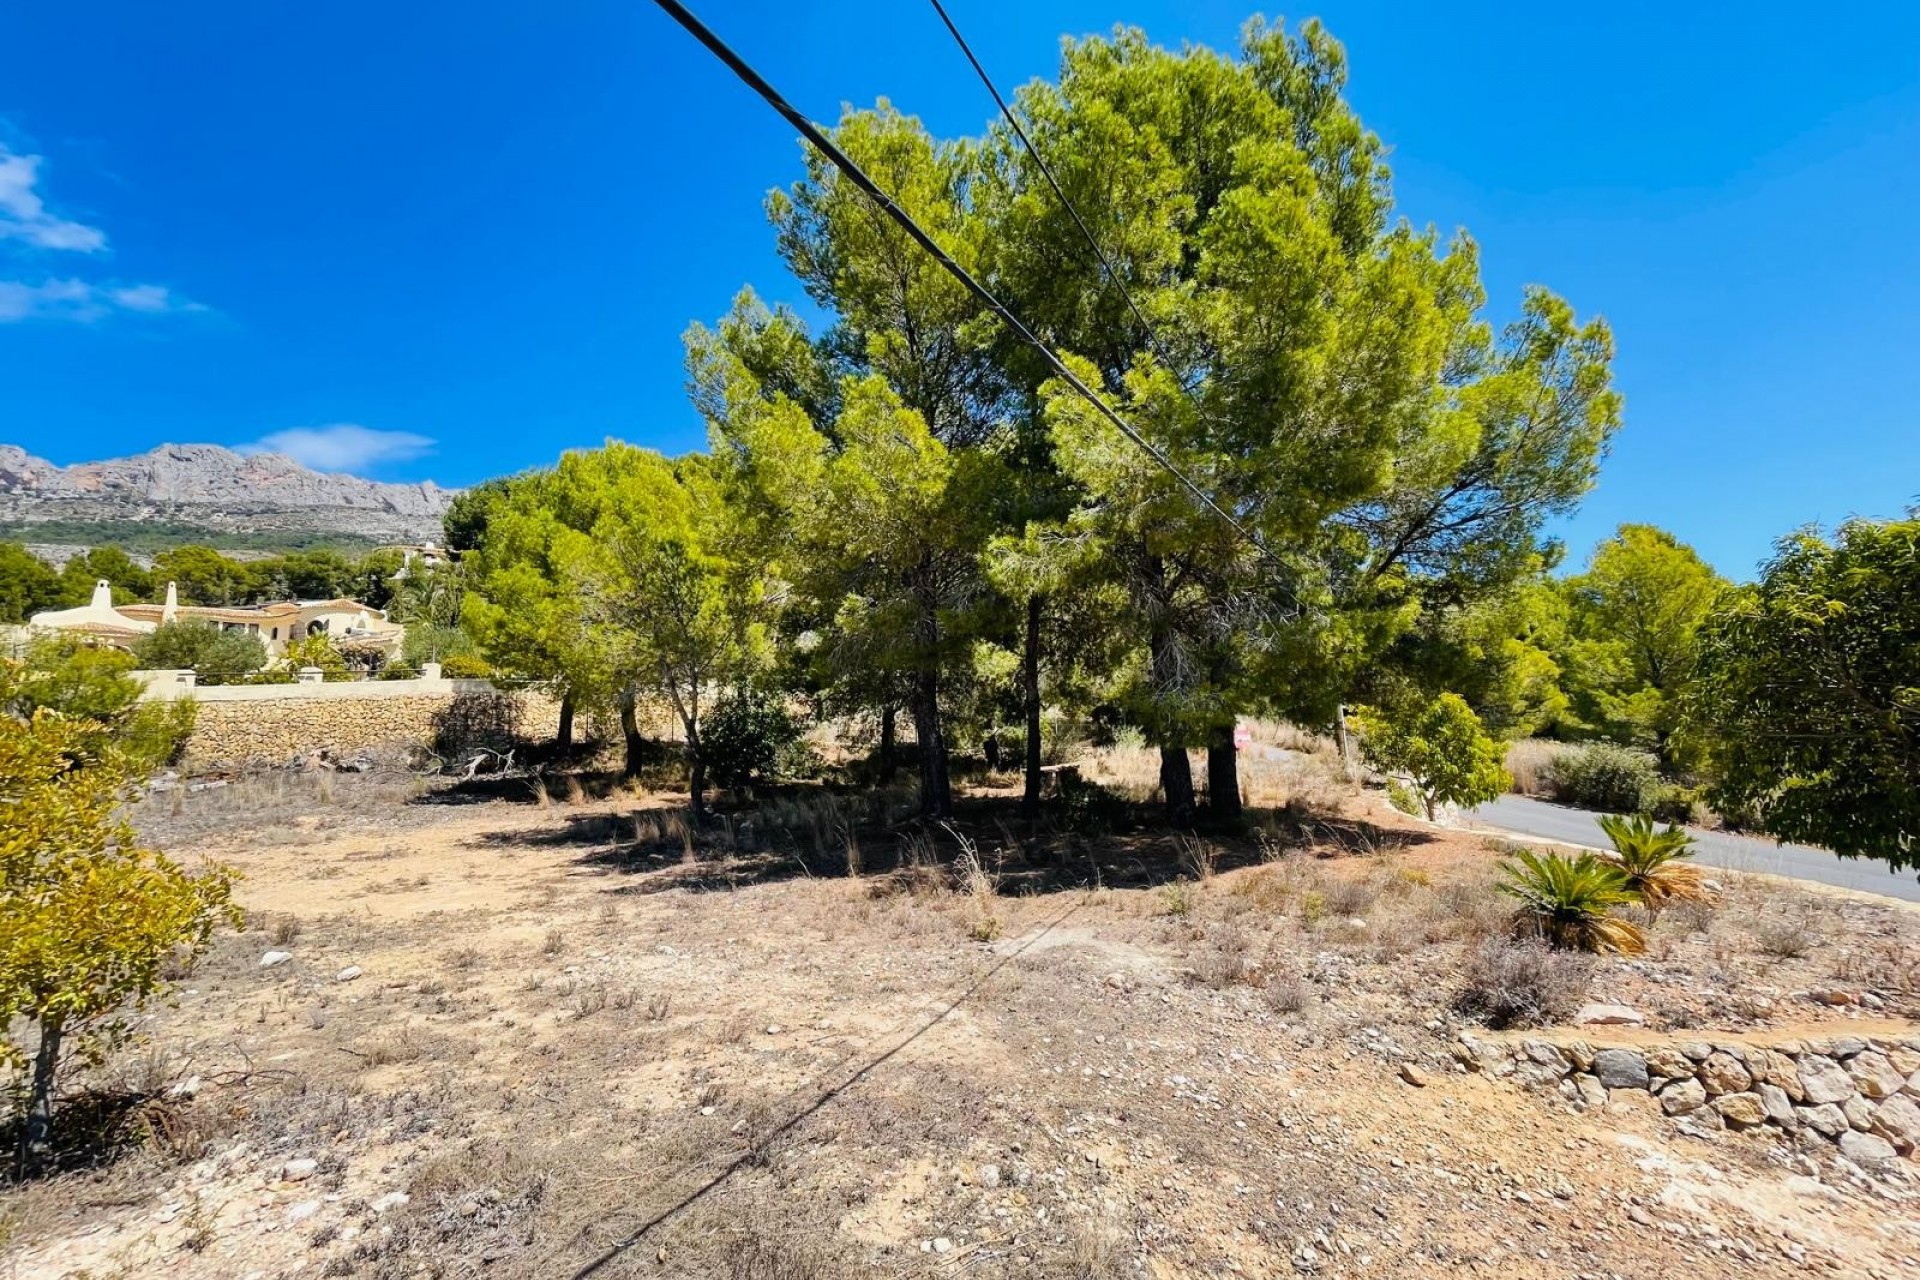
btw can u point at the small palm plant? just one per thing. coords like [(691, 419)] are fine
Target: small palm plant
[(1652, 861), (1569, 901)]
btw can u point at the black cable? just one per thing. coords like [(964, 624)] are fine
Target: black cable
[(1046, 171), (843, 162)]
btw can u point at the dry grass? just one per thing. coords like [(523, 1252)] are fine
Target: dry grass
[(707, 988), (1529, 761)]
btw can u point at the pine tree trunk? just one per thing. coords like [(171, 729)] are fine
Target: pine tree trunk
[(697, 784), (1030, 682), (936, 789), (563, 736), (36, 1133), (1176, 784), (1223, 777), (889, 753), (630, 730)]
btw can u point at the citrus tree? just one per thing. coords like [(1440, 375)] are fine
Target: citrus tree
[(88, 918), (1436, 745)]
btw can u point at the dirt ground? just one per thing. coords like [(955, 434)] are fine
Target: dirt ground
[(516, 1039)]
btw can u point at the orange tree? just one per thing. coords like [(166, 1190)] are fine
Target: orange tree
[(88, 918)]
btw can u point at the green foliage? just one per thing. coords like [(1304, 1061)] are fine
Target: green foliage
[(88, 918), (91, 687), (27, 584), (1568, 901), (215, 656), (465, 666), (1633, 617), (1672, 802), (162, 535), (1808, 692), (317, 650), (1088, 808), (1439, 747), (1651, 863), (109, 564), (749, 735), (426, 642), (204, 576), (1601, 775)]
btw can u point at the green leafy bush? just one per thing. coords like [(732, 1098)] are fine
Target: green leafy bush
[(747, 737), (1089, 808), (214, 656), (1438, 747), (1673, 803), (465, 666), (398, 671), (94, 686), (1603, 776)]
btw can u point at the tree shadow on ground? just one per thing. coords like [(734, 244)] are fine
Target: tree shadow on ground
[(655, 851)]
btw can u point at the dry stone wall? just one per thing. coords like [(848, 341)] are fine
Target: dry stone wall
[(1861, 1093), (273, 731)]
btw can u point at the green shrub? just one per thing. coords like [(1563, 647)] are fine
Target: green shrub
[(1438, 746), (1603, 776), (398, 671), (465, 666), (213, 655), (1089, 808), (747, 736), (1404, 798), (93, 685), (1673, 803)]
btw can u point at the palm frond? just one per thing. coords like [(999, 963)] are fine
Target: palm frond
[(1651, 860), (1569, 901)]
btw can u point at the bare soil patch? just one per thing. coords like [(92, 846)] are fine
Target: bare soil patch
[(578, 1043)]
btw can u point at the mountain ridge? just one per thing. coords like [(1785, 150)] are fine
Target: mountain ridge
[(217, 488)]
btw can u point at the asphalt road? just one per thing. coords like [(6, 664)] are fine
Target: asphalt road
[(1522, 816)]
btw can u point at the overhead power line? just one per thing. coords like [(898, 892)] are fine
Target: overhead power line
[(1046, 171), (856, 175)]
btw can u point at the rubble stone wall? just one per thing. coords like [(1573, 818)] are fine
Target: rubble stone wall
[(1859, 1092), (269, 731)]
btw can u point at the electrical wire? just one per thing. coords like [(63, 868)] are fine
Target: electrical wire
[(1046, 171), (856, 175)]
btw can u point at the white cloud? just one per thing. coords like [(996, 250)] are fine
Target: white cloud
[(343, 446), (84, 301), (24, 216)]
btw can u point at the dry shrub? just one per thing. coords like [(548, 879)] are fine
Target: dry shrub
[(1349, 897), (576, 794), (1787, 937), (795, 1256), (1095, 1249), (1227, 960), (1530, 761), (1268, 888), (1522, 983), (1288, 992), (1890, 965), (1199, 858)]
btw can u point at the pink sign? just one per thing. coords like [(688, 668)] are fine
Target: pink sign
[(1241, 737)]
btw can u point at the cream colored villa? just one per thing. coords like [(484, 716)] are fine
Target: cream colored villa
[(350, 624)]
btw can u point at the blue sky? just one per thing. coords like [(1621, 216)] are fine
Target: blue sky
[(476, 232)]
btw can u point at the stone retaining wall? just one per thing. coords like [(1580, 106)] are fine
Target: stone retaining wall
[(240, 733), (1861, 1092)]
